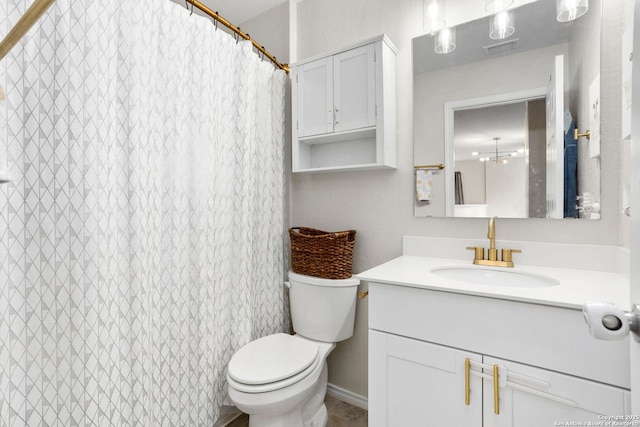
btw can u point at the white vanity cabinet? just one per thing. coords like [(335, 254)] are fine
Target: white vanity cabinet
[(415, 383), (549, 369), (344, 109), (532, 397)]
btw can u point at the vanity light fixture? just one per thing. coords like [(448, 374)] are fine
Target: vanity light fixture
[(434, 16), (568, 10), (445, 40), (501, 25), (493, 6)]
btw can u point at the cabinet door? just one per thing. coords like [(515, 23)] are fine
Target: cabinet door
[(315, 97), (534, 397), (413, 383), (354, 90)]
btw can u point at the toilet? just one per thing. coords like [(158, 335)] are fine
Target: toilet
[(281, 380)]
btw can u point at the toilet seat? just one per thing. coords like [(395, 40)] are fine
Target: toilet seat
[(272, 362)]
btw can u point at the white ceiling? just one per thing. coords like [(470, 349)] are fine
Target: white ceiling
[(239, 11)]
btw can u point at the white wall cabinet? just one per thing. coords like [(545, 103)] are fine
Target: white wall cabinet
[(344, 109), (419, 341), (337, 93)]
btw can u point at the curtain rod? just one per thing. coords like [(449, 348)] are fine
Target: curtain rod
[(39, 7), (239, 32), (30, 17)]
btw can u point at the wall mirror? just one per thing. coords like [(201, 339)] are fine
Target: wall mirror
[(494, 119)]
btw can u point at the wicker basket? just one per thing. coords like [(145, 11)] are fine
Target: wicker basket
[(322, 254)]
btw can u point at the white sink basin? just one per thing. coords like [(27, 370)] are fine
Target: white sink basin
[(494, 276)]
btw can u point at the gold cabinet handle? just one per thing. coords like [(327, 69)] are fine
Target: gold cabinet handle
[(467, 388), (496, 382), (496, 390), (363, 294)]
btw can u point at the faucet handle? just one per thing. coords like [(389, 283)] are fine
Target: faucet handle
[(479, 251), (506, 254)]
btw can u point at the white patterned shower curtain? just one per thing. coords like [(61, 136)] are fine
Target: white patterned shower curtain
[(141, 240)]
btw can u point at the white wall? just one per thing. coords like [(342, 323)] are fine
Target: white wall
[(507, 195), (379, 204), (271, 30), (473, 181)]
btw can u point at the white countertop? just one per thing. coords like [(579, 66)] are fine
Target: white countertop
[(576, 286)]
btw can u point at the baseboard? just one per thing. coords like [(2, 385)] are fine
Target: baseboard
[(227, 415), (348, 396)]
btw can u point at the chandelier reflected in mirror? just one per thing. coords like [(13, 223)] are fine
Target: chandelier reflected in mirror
[(498, 156)]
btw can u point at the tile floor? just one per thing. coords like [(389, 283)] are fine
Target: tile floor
[(341, 414)]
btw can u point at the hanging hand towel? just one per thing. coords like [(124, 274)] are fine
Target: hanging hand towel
[(424, 185)]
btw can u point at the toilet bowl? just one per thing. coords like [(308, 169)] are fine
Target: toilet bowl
[(281, 380)]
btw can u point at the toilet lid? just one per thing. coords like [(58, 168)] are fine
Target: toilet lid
[(272, 358)]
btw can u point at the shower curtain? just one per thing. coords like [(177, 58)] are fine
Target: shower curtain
[(141, 240)]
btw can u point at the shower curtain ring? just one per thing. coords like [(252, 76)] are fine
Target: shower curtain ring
[(191, 8), (215, 21)]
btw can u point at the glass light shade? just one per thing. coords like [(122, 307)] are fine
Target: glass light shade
[(493, 6), (434, 17), (568, 10), (501, 25), (445, 40)]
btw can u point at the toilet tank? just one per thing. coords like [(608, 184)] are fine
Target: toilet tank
[(323, 309)]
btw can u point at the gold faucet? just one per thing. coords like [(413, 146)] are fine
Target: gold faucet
[(492, 252)]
